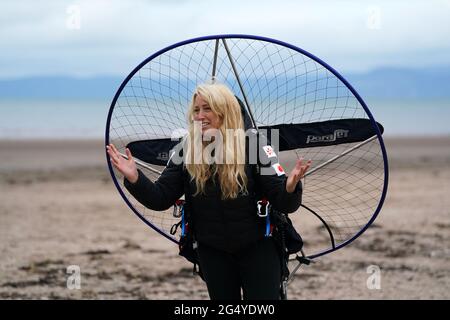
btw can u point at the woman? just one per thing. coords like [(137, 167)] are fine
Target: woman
[(233, 251)]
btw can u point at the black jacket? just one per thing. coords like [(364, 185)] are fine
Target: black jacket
[(227, 225)]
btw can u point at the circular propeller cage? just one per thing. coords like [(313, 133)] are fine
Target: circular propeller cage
[(281, 84)]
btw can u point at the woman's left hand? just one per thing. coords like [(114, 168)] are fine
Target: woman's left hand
[(297, 174)]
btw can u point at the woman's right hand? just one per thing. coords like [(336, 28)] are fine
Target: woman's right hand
[(127, 167)]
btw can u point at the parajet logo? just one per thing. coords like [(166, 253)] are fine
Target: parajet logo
[(337, 134)]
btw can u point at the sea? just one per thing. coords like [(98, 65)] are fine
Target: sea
[(86, 118)]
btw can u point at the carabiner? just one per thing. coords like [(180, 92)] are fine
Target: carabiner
[(178, 208), (261, 203)]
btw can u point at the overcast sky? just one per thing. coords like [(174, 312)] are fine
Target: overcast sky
[(96, 37)]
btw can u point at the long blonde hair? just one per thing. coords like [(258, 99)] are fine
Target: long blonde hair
[(230, 173)]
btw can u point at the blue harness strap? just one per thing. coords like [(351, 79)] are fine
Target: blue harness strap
[(268, 231), (183, 222)]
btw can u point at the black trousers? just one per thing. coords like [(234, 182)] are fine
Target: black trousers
[(256, 270)]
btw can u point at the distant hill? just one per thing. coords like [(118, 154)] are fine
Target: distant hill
[(60, 87), (407, 83), (381, 83)]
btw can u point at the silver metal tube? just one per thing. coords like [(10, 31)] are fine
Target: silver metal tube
[(240, 83), (340, 155), (216, 50), (292, 273)]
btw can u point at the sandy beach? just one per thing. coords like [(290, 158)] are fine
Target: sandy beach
[(59, 208)]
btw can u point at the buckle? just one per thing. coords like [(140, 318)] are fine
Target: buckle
[(260, 204), (178, 208)]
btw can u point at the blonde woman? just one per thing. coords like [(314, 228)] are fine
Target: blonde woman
[(222, 189)]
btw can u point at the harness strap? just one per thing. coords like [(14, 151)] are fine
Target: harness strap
[(183, 222), (268, 227)]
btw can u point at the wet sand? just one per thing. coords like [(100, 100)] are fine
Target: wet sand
[(59, 208)]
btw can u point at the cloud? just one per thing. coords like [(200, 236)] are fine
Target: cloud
[(114, 36)]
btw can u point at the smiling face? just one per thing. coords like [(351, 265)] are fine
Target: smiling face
[(203, 113)]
